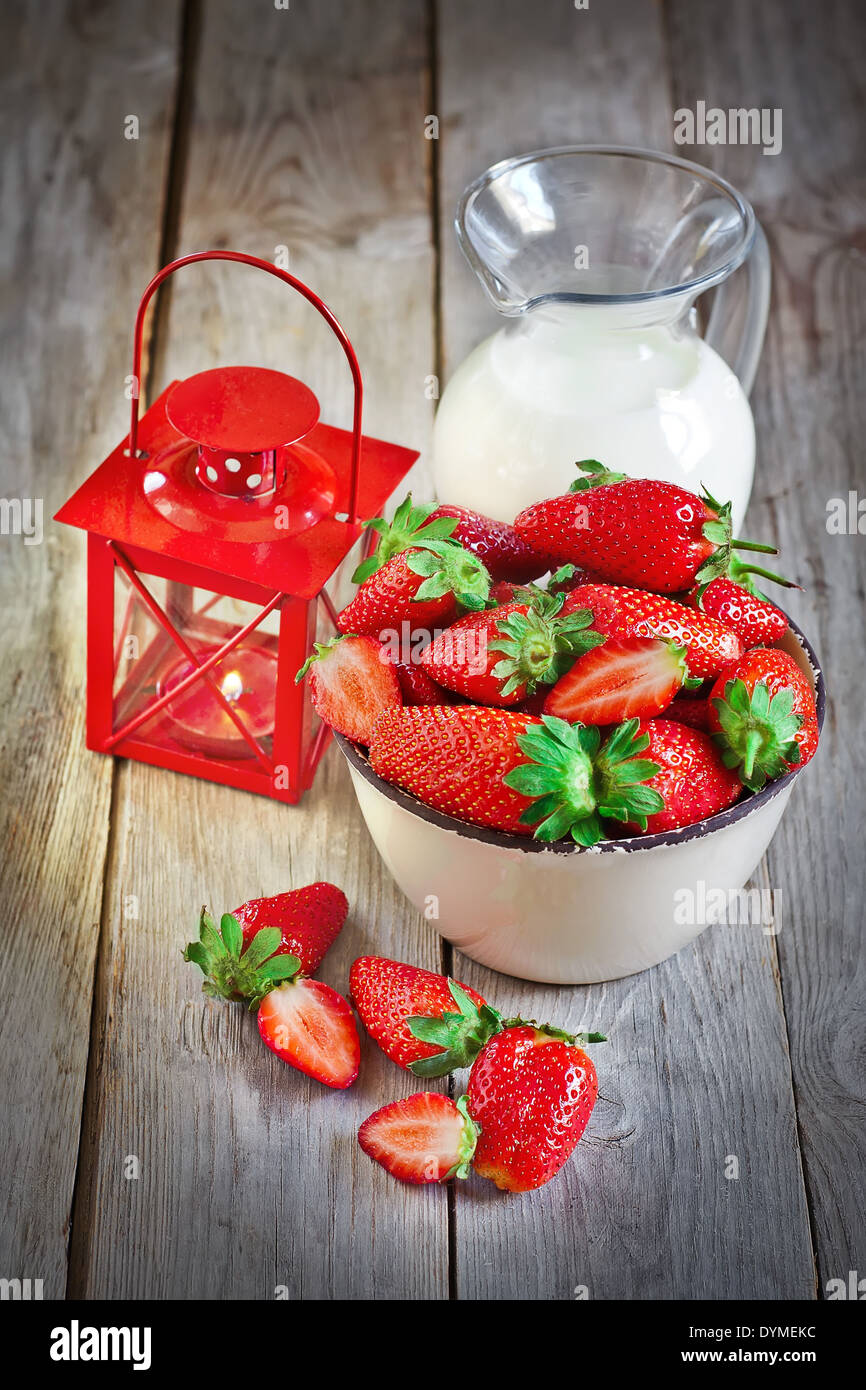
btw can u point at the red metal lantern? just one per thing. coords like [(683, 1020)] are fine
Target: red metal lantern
[(212, 533)]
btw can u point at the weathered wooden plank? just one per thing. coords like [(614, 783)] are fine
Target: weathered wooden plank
[(80, 214), (810, 420), (697, 1068), (307, 131)]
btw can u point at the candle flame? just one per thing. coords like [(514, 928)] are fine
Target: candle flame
[(232, 685)]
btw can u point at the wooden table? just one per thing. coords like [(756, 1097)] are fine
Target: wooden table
[(260, 128)]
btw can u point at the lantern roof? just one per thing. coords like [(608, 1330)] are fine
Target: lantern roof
[(291, 539)]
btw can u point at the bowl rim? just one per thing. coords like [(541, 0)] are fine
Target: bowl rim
[(506, 839)]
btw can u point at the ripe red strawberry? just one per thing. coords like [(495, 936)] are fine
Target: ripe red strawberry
[(503, 592), (692, 781), (754, 619), (305, 1022), (629, 677), (693, 710), (632, 613), (311, 1026), (635, 531), (569, 577), (531, 1090), (389, 995), (493, 767), (762, 711), (426, 1138), (308, 919), (501, 655), (416, 686), (421, 587), (504, 553), (351, 682)]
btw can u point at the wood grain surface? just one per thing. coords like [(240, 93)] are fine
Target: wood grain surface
[(304, 129)]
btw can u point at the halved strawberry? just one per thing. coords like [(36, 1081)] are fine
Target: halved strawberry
[(426, 1138), (629, 677), (311, 1026), (309, 920), (352, 682)]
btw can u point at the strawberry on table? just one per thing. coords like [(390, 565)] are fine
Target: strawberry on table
[(421, 587), (512, 772), (531, 1091), (426, 1138), (311, 1026), (621, 612), (639, 532), (309, 920), (692, 780), (755, 620), (628, 677), (763, 714), (389, 994), (500, 656), (306, 1023), (352, 681)]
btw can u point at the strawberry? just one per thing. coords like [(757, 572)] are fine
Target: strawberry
[(754, 619), (511, 771), (531, 1091), (693, 710), (416, 686), (308, 919), (311, 1026), (569, 577), (422, 587), (503, 592), (763, 714), (351, 682), (306, 1023), (623, 612), (504, 553), (501, 655), (639, 532), (692, 781), (390, 996), (426, 1138), (627, 677)]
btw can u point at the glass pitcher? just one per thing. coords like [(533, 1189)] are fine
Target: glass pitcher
[(596, 257)]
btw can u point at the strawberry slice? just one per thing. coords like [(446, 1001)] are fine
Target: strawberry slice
[(426, 1138), (629, 677), (311, 1026), (352, 682)]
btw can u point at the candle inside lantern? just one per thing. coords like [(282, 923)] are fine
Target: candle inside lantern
[(247, 678)]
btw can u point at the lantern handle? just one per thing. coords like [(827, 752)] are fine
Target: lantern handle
[(294, 284)]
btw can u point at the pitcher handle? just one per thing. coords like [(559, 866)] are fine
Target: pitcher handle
[(736, 325)]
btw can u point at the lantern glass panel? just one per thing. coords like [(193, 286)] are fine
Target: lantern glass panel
[(222, 713)]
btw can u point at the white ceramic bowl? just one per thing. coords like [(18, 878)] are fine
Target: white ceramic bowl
[(561, 913)]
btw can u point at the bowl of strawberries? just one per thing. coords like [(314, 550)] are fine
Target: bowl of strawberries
[(573, 736)]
